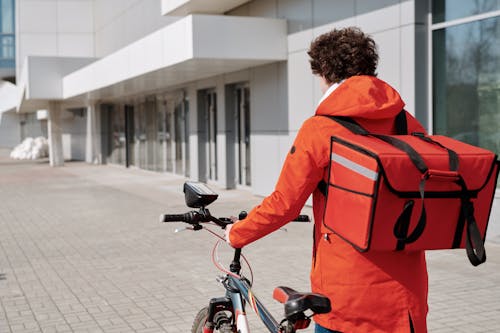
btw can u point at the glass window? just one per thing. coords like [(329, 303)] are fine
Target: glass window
[(466, 74), (7, 40), (447, 10)]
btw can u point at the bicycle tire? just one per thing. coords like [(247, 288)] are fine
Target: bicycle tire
[(200, 320)]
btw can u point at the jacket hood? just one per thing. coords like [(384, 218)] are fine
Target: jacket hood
[(362, 97)]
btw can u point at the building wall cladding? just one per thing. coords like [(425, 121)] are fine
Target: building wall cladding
[(282, 94), (118, 23), (395, 25), (54, 28)]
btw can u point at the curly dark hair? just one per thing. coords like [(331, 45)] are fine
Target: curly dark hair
[(342, 53)]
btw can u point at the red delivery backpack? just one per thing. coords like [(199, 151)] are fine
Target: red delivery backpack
[(409, 192)]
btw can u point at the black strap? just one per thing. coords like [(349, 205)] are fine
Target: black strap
[(414, 156), (400, 144), (452, 155), (350, 124), (403, 238), (474, 245), (323, 187), (401, 123), (403, 224)]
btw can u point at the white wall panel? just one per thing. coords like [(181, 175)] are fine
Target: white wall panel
[(379, 20), (327, 11), (268, 103), (300, 41), (298, 14), (37, 16), (266, 162), (75, 45), (119, 23), (407, 9), (300, 90), (263, 8), (349, 22), (75, 16), (389, 47), (407, 88), (10, 130), (37, 44), (224, 34), (106, 11)]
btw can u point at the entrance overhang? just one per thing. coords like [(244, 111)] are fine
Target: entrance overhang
[(186, 7), (192, 48), (40, 80)]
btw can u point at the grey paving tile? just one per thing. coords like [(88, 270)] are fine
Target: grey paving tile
[(81, 250)]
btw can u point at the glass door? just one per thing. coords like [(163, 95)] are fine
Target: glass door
[(211, 130), (242, 142)]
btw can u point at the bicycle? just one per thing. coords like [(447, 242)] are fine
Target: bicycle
[(227, 314)]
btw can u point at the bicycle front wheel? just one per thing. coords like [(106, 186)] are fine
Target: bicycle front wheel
[(201, 319)]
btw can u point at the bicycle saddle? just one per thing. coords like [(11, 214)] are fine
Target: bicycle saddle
[(296, 302)]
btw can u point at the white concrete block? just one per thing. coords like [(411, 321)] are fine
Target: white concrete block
[(327, 11), (317, 31), (107, 11), (407, 12), (268, 101), (407, 88), (178, 34), (263, 8), (237, 37), (37, 44), (298, 14), (75, 45), (301, 104), (389, 46), (266, 163), (300, 41), (108, 40), (37, 16), (379, 20), (75, 16)]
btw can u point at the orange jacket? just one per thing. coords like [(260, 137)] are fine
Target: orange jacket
[(370, 292)]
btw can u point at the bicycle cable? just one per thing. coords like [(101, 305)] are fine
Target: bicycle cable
[(216, 261)]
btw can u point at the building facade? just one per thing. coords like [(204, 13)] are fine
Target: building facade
[(217, 90)]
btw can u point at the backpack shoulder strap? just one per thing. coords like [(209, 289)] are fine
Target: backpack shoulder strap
[(401, 129), (401, 123)]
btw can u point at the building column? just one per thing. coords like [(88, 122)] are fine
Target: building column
[(93, 152), (54, 127), (193, 133)]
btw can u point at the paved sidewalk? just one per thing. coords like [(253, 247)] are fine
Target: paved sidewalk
[(81, 250)]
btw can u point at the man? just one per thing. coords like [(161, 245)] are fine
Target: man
[(370, 292)]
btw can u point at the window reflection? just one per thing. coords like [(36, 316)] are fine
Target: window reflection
[(447, 10), (467, 82)]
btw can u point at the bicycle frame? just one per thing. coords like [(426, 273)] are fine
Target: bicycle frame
[(238, 293), (244, 293)]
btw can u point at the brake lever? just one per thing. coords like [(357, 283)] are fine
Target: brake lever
[(194, 227), (177, 230)]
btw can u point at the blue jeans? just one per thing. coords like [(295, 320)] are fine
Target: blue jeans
[(321, 329)]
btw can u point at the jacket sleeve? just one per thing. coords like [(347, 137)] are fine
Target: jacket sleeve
[(301, 172)]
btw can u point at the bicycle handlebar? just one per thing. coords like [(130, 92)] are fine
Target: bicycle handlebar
[(195, 217)]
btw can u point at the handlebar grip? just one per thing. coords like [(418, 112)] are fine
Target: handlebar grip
[(173, 218), (302, 218)]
